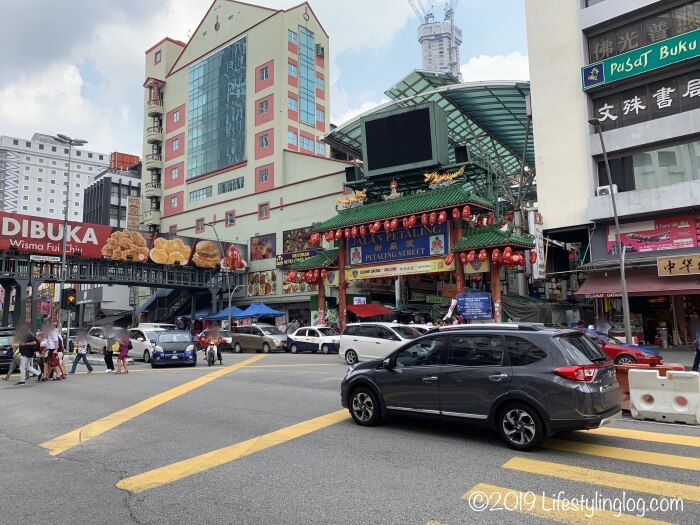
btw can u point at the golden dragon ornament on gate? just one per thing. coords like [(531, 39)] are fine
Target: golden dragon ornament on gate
[(440, 180), (356, 199)]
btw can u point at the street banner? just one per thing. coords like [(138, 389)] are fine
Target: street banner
[(404, 268), (668, 233)]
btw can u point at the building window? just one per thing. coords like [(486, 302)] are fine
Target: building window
[(78, 153), (264, 211), (320, 115), (306, 143), (292, 70), (263, 175), (16, 143), (292, 137), (231, 185), (41, 161), (156, 57), (263, 141), (264, 107), (24, 208), (174, 173), (201, 194), (101, 157), (231, 218), (176, 116), (264, 73), (26, 168), (291, 36), (173, 202), (172, 230), (307, 77), (320, 148), (176, 144), (28, 159), (199, 226), (320, 84), (292, 103), (28, 144)]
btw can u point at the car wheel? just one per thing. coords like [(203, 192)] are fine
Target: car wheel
[(351, 357), (364, 407), (153, 365), (520, 427), (193, 364), (325, 349), (293, 349), (147, 356), (625, 359), (237, 348), (266, 348)]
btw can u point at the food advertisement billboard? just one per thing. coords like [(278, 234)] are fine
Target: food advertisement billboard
[(261, 284), (263, 247), (296, 247)]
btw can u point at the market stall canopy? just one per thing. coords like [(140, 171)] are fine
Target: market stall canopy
[(323, 259), (223, 314), (492, 237), (640, 282), (259, 310), (432, 200), (369, 310)]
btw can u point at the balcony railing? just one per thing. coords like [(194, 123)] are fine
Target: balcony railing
[(154, 134), (154, 161), (155, 108), (152, 189)]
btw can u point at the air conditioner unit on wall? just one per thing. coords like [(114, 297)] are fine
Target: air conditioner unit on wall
[(605, 190)]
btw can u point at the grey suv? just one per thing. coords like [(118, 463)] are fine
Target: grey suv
[(526, 381)]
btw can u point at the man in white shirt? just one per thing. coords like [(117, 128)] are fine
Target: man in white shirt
[(81, 347)]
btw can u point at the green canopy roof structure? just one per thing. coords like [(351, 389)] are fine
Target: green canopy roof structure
[(320, 260), (430, 200), (491, 237)]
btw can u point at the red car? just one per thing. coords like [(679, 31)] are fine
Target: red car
[(624, 354)]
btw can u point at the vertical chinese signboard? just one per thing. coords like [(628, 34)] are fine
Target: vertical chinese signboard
[(133, 212), (539, 269)]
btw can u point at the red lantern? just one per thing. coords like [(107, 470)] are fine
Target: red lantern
[(433, 218), (489, 219), (466, 212), (495, 255), (317, 274), (471, 256), (404, 222), (290, 277), (483, 256), (394, 224), (308, 276), (522, 259), (354, 231), (515, 259), (450, 259), (363, 230), (424, 219), (508, 251), (338, 234), (347, 233), (387, 226), (329, 236), (442, 217), (463, 257), (456, 214), (377, 226), (533, 256), (411, 221), (324, 273), (509, 216), (505, 258), (572, 255)]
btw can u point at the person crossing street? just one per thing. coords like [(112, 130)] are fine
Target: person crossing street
[(81, 349), (28, 345)]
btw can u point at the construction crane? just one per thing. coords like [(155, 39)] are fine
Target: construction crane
[(425, 14)]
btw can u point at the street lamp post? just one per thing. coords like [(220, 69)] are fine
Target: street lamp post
[(620, 245), (227, 271), (70, 142)]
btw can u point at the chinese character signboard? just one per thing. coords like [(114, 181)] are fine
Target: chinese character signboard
[(401, 268), (263, 247), (133, 212), (642, 60), (409, 243), (655, 235), (539, 269), (679, 265), (476, 305)]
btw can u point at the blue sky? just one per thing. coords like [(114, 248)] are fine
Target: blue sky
[(77, 66)]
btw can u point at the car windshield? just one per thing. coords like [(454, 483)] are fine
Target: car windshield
[(152, 335), (603, 338), (270, 330), (327, 331), (5, 340), (178, 337), (407, 332)]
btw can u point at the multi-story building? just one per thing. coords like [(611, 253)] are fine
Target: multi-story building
[(440, 43), (633, 68), (42, 164), (107, 200), (232, 133)]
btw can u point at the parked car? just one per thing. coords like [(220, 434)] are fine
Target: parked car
[(174, 347), (622, 353), (157, 326), (313, 339), (363, 341), (259, 337), (143, 343), (224, 335), (7, 336), (525, 382), (97, 340)]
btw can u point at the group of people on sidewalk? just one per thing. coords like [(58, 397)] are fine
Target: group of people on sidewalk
[(42, 354)]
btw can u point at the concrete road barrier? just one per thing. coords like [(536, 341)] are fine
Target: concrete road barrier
[(674, 398)]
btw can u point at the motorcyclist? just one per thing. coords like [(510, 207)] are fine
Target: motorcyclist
[(213, 339)]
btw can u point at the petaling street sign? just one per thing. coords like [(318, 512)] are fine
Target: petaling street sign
[(402, 268), (402, 244), (638, 61), (679, 265)]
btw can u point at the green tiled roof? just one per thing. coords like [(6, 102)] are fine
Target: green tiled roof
[(442, 198), (320, 260), (491, 237)]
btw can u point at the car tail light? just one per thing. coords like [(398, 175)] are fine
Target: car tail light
[(585, 373)]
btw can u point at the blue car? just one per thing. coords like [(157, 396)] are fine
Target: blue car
[(312, 339), (175, 347)]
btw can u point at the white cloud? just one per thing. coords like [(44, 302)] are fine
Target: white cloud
[(497, 67)]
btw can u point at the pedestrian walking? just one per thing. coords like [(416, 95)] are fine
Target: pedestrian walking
[(696, 361), (81, 355), (124, 345), (108, 351), (14, 364), (28, 345), (60, 350)]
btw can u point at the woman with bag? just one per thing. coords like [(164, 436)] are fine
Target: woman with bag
[(124, 344)]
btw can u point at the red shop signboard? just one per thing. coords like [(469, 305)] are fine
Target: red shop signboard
[(668, 233)]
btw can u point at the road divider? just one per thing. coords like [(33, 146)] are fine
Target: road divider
[(85, 433), (215, 458), (673, 398)]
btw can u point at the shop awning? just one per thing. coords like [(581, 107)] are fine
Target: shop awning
[(640, 282), (491, 237), (369, 310)]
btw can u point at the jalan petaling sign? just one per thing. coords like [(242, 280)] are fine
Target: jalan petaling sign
[(638, 61)]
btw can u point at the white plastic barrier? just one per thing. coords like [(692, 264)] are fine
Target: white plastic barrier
[(673, 399)]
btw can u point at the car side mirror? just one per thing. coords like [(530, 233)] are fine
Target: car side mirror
[(386, 364)]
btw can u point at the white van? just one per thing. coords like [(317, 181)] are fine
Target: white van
[(367, 341)]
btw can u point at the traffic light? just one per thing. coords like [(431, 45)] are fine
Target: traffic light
[(68, 298)]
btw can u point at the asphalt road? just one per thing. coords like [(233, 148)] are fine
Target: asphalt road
[(326, 471)]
